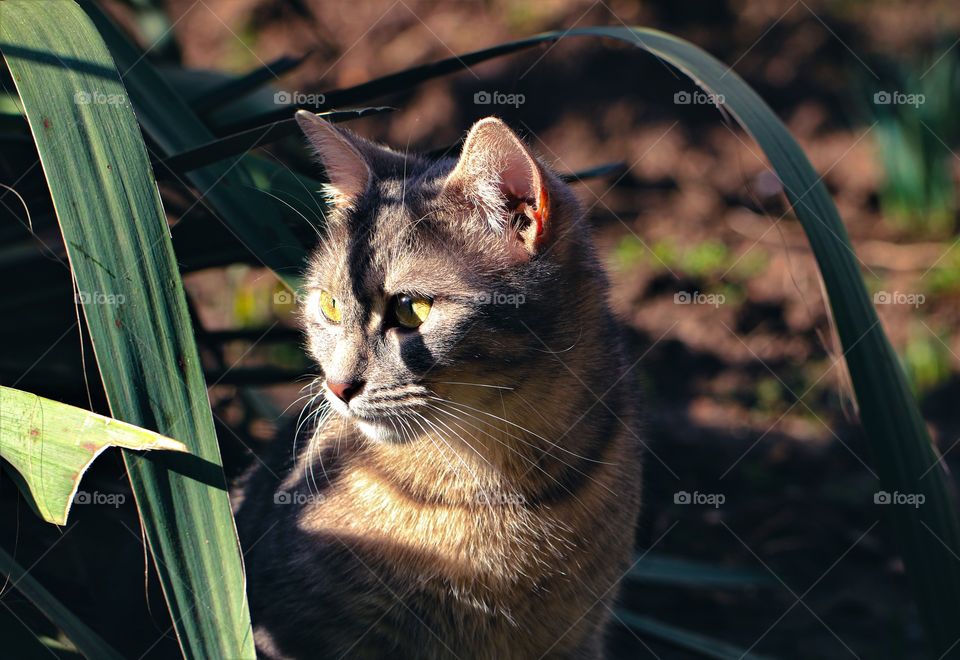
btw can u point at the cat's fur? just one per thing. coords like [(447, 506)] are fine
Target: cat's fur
[(478, 498)]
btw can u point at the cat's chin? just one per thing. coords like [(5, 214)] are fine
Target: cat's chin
[(378, 431)]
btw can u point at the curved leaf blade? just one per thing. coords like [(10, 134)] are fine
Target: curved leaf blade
[(391, 83), (224, 187), (118, 242), (684, 639), (239, 143), (86, 640), (656, 569)]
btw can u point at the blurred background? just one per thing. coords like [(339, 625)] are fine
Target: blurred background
[(756, 461)]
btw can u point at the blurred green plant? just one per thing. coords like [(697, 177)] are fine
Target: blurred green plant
[(926, 359), (703, 260), (915, 108), (944, 277)]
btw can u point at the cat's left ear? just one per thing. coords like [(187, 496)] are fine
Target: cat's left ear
[(501, 178), (347, 169)]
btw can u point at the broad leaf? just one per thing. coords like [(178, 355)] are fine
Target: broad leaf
[(51, 445)]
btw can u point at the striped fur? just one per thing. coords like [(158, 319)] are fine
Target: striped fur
[(478, 498)]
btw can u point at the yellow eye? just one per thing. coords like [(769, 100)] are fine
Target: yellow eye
[(330, 307), (410, 311)]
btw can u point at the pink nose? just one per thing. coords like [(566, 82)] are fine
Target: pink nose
[(345, 391)]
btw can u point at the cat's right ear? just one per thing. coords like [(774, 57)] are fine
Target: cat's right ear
[(348, 173), (499, 176)]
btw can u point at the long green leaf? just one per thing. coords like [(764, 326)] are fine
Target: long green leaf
[(389, 84), (119, 246), (238, 87), (655, 569), (86, 640), (903, 455), (226, 187), (22, 642), (51, 445), (684, 639), (240, 143)]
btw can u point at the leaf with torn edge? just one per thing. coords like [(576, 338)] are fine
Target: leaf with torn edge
[(50, 445)]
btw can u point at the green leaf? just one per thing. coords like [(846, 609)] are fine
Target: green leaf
[(120, 252), (902, 453), (51, 445), (21, 641), (389, 84), (684, 639), (598, 172), (239, 143), (225, 187), (237, 87), (86, 640), (654, 569)]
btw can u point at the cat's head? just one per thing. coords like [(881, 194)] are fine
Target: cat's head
[(442, 285)]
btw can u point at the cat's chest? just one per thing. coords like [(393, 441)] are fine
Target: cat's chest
[(490, 544)]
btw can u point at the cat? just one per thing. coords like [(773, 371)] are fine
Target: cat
[(473, 486)]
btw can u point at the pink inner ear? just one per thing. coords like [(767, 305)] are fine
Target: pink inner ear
[(519, 178), (346, 169), (347, 172), (499, 175)]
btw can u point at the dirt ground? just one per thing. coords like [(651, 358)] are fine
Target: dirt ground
[(744, 395)]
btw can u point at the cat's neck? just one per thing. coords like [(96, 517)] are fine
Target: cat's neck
[(483, 445)]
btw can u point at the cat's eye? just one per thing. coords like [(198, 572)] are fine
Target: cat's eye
[(411, 311), (330, 307)]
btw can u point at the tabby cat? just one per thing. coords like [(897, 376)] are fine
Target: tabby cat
[(472, 485)]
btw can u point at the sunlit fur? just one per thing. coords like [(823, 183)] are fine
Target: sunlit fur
[(475, 499)]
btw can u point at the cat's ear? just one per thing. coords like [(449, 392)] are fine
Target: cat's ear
[(346, 168), (501, 178)]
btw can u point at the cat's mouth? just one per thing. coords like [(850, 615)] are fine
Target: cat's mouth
[(384, 415)]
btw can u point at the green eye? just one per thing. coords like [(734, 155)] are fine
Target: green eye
[(330, 307), (411, 312)]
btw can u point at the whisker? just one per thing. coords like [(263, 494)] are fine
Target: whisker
[(474, 449), (525, 430), (441, 438), (562, 462), (291, 207), (531, 462), (562, 350), (496, 387), (421, 219)]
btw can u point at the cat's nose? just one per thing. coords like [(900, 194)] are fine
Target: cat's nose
[(345, 391)]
